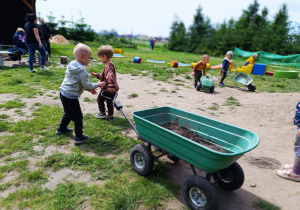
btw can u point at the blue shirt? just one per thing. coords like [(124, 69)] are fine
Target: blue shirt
[(297, 115), (225, 64)]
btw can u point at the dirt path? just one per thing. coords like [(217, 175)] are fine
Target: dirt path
[(270, 115)]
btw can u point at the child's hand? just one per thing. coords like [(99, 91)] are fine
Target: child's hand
[(193, 73), (93, 74), (111, 90), (101, 84), (93, 91), (299, 132)]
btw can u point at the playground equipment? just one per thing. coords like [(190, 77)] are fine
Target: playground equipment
[(137, 60), (118, 56), (118, 50), (155, 61), (207, 65), (178, 64), (286, 74)]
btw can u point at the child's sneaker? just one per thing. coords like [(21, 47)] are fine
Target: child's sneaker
[(63, 131), (111, 119), (80, 139), (32, 70), (44, 68), (101, 116), (221, 84)]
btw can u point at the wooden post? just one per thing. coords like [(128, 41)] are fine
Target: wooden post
[(63, 59)]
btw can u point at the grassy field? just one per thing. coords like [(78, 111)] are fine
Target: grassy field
[(122, 188)]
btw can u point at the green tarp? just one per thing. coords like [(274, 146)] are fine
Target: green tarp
[(270, 58)]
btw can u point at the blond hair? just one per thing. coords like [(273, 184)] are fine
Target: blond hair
[(81, 49), (205, 56), (105, 50), (20, 29)]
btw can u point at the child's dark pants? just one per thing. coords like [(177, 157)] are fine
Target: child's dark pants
[(72, 112), (223, 76), (109, 103), (197, 76)]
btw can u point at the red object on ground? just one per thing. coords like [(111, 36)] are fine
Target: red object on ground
[(270, 73), (174, 63)]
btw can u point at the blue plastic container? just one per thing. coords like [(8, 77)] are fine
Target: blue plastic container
[(259, 69), (137, 60)]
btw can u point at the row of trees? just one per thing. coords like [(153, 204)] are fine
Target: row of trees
[(79, 30), (251, 32)]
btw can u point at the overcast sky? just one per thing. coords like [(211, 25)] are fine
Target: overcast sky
[(154, 18)]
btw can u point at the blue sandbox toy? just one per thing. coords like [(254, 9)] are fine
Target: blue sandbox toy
[(154, 61), (118, 56)]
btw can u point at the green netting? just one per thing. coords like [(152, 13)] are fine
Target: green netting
[(270, 58)]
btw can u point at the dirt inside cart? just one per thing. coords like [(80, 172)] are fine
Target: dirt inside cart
[(183, 131)]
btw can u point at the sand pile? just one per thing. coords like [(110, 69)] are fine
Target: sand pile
[(59, 39)]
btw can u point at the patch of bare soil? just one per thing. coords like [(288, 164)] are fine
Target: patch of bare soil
[(185, 132)]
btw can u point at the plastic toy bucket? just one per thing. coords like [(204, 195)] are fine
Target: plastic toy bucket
[(174, 64), (137, 60)]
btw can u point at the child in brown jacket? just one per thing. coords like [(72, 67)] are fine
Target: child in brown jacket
[(108, 81), (199, 67)]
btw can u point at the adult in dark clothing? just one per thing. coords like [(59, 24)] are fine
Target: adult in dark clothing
[(33, 42), (47, 34)]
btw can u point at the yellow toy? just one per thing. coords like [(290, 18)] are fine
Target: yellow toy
[(207, 65), (118, 50), (246, 69)]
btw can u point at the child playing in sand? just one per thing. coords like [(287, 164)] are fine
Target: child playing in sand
[(108, 80), (198, 68), (292, 172), (225, 67), (75, 82)]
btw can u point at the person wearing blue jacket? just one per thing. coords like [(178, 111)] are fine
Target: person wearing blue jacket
[(292, 172), (225, 67), (75, 82)]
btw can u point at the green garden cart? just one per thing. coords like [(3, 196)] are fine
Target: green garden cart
[(198, 191)]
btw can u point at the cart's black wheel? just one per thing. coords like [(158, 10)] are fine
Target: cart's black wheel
[(172, 157), (231, 178), (141, 159), (251, 87), (198, 194), (211, 90), (198, 87)]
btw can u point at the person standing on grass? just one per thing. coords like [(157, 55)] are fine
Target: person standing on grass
[(225, 67), (198, 68), (292, 172), (47, 35), (108, 79), (75, 82), (33, 42)]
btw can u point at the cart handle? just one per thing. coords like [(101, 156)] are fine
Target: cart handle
[(119, 107)]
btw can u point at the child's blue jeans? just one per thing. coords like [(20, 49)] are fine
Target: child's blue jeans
[(296, 168)]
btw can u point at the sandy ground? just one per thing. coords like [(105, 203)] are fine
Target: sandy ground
[(270, 115)]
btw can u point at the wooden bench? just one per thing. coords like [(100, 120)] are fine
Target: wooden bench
[(5, 52)]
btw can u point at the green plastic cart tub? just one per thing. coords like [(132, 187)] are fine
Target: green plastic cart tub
[(236, 141)]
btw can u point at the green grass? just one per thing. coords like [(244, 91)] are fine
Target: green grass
[(109, 162), (13, 104), (133, 95), (264, 205), (232, 102), (215, 106)]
